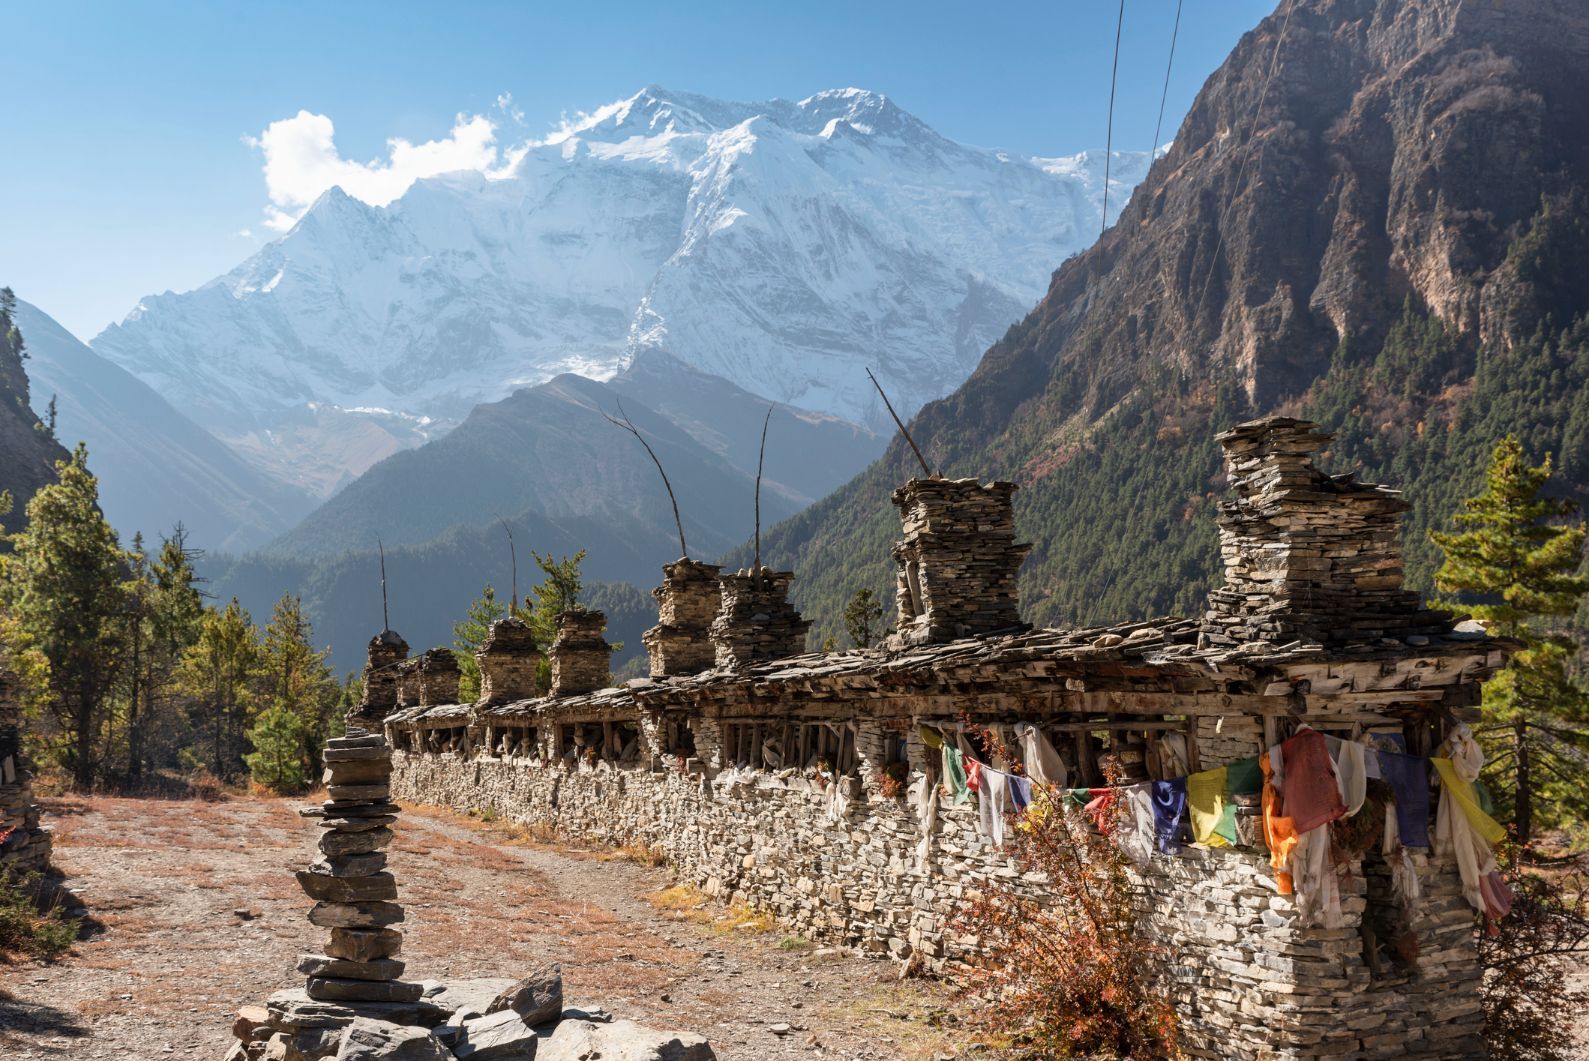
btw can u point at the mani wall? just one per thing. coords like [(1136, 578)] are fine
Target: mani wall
[(792, 781)]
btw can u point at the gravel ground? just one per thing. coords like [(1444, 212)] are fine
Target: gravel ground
[(168, 957)]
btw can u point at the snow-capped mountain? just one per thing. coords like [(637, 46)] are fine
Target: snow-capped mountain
[(783, 246)]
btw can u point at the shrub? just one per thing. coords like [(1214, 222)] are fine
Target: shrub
[(1067, 973), (1528, 990), (30, 926)]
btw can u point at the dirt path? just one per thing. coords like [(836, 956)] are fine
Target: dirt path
[(173, 960)]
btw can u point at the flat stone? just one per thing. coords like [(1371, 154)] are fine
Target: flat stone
[(335, 989), (363, 740), (361, 865), (362, 808), (375, 1040), (536, 998), (621, 1040), (363, 944), (473, 997), (356, 824), (330, 889), (341, 843), (294, 1010), (498, 1037), (358, 772), (355, 755), (321, 965), (346, 793), (355, 915), (248, 1020)]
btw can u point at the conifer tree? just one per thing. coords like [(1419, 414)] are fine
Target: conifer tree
[(468, 633), (297, 679), (1515, 567), (861, 616), (220, 678), (63, 583), (558, 592)]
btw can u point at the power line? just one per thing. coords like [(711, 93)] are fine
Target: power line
[(1108, 140), (1241, 174), (1159, 125)]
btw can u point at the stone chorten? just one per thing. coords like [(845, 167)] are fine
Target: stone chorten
[(581, 657), (438, 675), (756, 622), (386, 651), (508, 660), (24, 843), (958, 560), (688, 600), (1308, 556)]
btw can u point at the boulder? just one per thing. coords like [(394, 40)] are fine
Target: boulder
[(249, 1019), (537, 998), (622, 1040), (376, 1040), (500, 1036), (374, 888)]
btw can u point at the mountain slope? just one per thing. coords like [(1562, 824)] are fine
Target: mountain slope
[(780, 246), (155, 466), (1392, 243), (27, 450)]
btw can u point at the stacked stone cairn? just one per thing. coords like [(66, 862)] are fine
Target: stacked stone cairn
[(24, 843), (958, 560), (687, 602), (355, 896), (756, 622), (383, 658), (1308, 556), (581, 657)]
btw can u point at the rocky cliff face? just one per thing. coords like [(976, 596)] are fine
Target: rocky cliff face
[(1370, 197), (27, 450)]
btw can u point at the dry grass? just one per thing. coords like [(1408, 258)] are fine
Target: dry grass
[(914, 1018), (685, 902)]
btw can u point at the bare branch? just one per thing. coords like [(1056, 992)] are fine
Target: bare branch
[(629, 427), (901, 424), (761, 457), (386, 618), (513, 555)]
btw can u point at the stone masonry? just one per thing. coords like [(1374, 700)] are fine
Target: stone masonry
[(581, 656), (958, 561), (509, 661), (781, 782), (1307, 555), (687, 602), (387, 651), (24, 843), (757, 622)]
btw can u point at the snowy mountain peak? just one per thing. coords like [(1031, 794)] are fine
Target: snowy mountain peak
[(780, 245)]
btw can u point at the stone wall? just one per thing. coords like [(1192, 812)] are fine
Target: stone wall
[(24, 843), (1247, 982)]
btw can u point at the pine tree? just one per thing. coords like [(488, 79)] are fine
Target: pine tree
[(63, 584), (468, 633), (166, 612), (296, 677), (1516, 568), (557, 593), (279, 760), (861, 615), (219, 678)]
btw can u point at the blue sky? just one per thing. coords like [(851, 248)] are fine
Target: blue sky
[(126, 127)]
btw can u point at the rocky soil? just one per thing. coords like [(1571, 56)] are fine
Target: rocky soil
[(194, 912)]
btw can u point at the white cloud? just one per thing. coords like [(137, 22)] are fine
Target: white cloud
[(505, 105), (302, 162)]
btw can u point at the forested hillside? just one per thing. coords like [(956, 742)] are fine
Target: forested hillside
[(28, 449), (1386, 235)]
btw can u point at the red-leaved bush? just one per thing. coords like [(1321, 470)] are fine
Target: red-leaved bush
[(1064, 971)]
